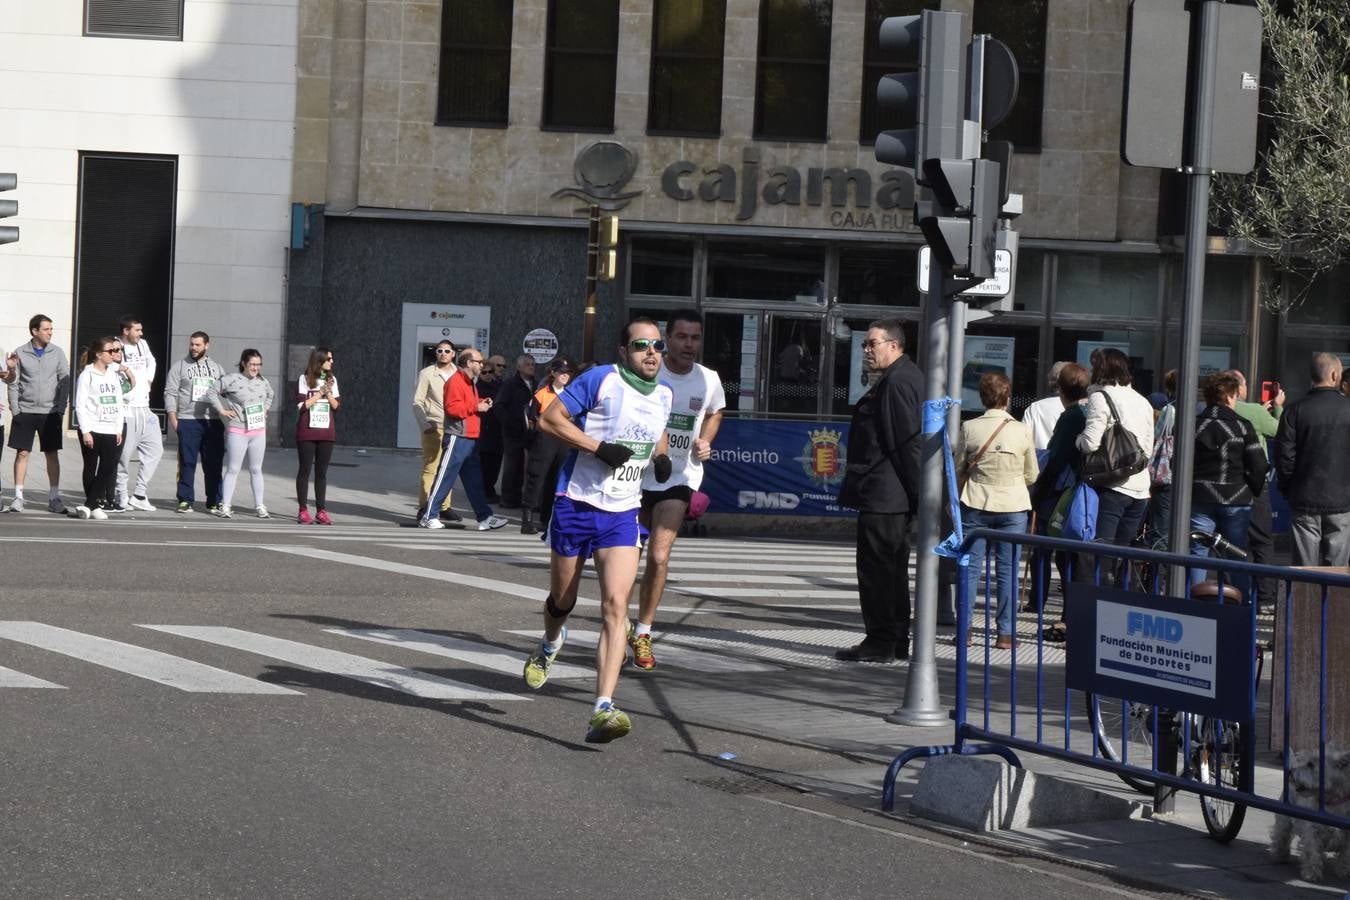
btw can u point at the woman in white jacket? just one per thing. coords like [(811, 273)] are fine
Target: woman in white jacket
[(1121, 508), (98, 415)]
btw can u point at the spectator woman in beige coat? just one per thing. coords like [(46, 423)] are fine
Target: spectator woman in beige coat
[(997, 461)]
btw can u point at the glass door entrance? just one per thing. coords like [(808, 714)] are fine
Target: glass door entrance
[(769, 362)]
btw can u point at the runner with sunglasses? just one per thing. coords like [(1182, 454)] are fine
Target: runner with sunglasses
[(614, 417)]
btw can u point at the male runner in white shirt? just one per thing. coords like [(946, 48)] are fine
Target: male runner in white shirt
[(695, 416), (614, 417)]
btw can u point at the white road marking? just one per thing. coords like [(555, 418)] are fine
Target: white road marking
[(669, 653), (142, 662), (12, 679), (335, 662), (716, 591), (483, 655)]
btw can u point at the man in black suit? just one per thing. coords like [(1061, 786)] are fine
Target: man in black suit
[(881, 481), (509, 409)]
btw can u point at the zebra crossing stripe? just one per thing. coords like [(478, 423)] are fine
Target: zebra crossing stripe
[(335, 662), (12, 679), (482, 655), (680, 657), (716, 591), (142, 662)]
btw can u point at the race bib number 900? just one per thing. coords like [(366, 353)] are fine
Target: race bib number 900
[(680, 434)]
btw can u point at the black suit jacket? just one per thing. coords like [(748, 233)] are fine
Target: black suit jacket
[(509, 407), (882, 468)]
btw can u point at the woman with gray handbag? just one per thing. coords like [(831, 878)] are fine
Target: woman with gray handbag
[(1116, 444)]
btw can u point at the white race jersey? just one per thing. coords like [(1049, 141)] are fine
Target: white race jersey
[(607, 408), (697, 393)]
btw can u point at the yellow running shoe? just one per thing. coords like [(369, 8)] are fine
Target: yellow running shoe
[(608, 724), (539, 663)]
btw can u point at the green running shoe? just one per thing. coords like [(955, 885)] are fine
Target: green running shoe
[(608, 724), (537, 666)]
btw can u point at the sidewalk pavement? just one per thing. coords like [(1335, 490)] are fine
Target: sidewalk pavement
[(379, 486)]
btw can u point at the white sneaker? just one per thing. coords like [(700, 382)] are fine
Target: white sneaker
[(224, 512), (263, 513), (493, 522), (55, 505), (429, 523), (141, 504), (17, 505), (82, 512), (97, 513)]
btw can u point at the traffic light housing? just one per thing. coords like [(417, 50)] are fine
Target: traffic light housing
[(607, 263), (8, 233), (960, 217), (927, 104)]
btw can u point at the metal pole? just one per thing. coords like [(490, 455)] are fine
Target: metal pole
[(956, 365), (592, 271), (1192, 314), (923, 702)]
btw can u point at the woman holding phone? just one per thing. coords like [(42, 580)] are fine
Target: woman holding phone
[(317, 399)]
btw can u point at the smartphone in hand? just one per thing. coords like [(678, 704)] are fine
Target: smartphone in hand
[(1269, 391)]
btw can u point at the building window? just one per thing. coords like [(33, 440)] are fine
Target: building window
[(475, 70), (686, 89), (793, 81), (580, 61), (660, 267), (152, 19), (1022, 27), (876, 64), (879, 277)]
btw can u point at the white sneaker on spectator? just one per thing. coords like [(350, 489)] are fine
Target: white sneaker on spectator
[(97, 513), (224, 512), (17, 505), (429, 523), (263, 513), (82, 512), (493, 522), (142, 504)]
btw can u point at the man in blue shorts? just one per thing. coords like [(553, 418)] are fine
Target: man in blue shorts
[(614, 417)]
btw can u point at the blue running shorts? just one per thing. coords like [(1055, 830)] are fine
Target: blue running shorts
[(579, 529)]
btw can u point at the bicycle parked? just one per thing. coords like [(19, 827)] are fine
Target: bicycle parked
[(1124, 730)]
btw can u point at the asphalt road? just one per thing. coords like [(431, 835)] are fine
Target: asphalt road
[(339, 713)]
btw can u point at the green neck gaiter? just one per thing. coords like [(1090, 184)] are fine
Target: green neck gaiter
[(637, 382)]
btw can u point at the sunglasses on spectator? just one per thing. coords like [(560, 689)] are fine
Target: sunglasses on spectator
[(444, 350), (642, 345)]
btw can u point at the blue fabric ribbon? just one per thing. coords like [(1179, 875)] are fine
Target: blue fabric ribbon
[(934, 420)]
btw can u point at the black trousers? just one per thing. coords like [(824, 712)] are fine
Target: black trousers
[(1261, 544), (313, 455), (883, 579), (100, 469), (513, 469), (546, 455)]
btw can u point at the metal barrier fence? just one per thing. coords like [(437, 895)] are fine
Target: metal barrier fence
[(1215, 728)]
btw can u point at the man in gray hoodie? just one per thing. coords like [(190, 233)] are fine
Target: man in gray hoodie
[(38, 396), (195, 420)]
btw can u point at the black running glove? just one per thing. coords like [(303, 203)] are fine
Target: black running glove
[(661, 467), (613, 455)]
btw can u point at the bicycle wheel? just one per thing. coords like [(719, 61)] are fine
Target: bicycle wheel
[(1114, 720), (1216, 752)]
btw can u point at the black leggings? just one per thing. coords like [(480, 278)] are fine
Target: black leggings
[(100, 469), (315, 455)]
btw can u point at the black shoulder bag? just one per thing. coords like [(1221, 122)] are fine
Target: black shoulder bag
[(1118, 457)]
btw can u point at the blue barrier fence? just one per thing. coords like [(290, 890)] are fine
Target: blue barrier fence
[(1179, 665)]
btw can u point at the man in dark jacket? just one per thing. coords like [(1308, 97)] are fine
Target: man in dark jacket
[(512, 401), (1311, 447), (881, 481)]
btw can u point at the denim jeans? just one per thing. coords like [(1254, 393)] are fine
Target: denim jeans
[(1005, 560), (458, 460), (1232, 523)]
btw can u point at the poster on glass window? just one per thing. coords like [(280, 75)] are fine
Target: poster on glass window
[(984, 354)]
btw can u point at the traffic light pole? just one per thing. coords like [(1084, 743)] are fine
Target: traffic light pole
[(592, 279), (923, 700)]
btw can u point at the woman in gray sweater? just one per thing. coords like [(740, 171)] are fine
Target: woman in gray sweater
[(243, 400)]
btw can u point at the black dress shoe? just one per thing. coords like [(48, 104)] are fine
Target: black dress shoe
[(865, 652)]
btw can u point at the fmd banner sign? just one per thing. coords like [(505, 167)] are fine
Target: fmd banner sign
[(1191, 655), (776, 468)]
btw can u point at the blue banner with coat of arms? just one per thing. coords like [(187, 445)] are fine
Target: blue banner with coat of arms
[(776, 467)]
